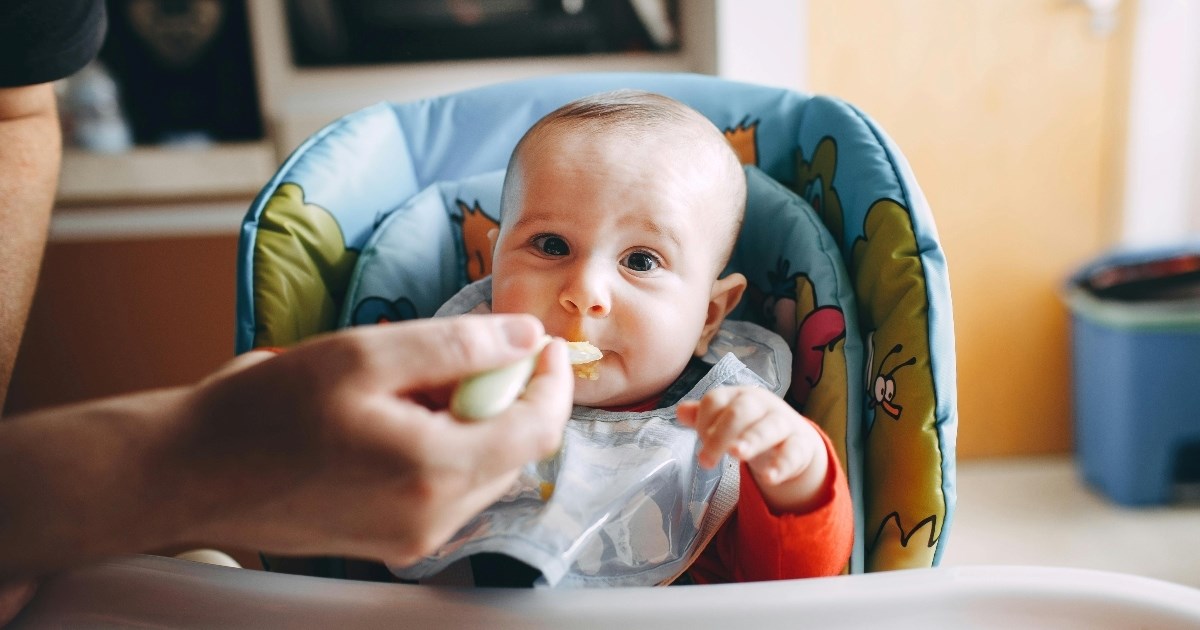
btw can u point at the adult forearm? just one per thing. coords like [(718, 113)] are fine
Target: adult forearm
[(30, 152), (89, 480)]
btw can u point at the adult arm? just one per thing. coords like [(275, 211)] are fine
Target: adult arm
[(30, 152), (40, 41), (339, 446)]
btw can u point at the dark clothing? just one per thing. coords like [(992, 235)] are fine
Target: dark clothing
[(46, 40)]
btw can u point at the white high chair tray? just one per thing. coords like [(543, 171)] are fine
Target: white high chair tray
[(147, 591)]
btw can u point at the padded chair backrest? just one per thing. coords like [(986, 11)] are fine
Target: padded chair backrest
[(858, 287)]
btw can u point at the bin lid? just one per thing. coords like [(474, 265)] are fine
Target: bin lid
[(1149, 289)]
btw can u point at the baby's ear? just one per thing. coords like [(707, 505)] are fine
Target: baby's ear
[(492, 234), (726, 293)]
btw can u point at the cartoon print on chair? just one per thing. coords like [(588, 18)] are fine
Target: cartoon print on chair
[(377, 310), (743, 137), (774, 308), (301, 269), (881, 386), (818, 387), (814, 182), (819, 330), (476, 247), (890, 285)]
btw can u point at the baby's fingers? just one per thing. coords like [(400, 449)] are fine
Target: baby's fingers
[(763, 436), (686, 413), (781, 462), (722, 418)]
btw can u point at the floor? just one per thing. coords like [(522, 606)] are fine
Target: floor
[(1035, 511)]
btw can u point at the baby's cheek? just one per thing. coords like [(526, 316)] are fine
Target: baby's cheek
[(513, 297)]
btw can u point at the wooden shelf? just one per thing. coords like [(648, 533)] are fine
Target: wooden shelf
[(156, 173)]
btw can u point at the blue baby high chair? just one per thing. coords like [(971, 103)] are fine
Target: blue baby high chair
[(383, 215), (378, 217)]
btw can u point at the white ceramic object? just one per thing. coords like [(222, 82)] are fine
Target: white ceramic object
[(146, 591)]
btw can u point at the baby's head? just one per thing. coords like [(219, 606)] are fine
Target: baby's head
[(619, 212)]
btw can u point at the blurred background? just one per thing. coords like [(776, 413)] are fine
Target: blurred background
[(1044, 133)]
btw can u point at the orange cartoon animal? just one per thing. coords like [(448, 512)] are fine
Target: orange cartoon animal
[(744, 139), (478, 249)]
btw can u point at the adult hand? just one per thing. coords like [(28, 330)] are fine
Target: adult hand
[(340, 446), (343, 445)]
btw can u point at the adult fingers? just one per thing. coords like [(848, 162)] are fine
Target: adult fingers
[(421, 534), (532, 427), (466, 506), (13, 597), (418, 355)]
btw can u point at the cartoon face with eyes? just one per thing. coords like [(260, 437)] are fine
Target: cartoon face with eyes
[(883, 389), (615, 238)]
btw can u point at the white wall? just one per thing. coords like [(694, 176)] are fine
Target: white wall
[(1162, 191), (762, 41)]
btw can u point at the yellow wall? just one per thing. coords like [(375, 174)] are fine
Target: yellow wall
[(1011, 114)]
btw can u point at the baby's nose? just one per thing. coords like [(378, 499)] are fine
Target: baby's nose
[(586, 294)]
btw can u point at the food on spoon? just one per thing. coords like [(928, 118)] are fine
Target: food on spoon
[(584, 356)]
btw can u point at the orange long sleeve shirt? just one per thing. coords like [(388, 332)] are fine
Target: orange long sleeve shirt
[(756, 544)]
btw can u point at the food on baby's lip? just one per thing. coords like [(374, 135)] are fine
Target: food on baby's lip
[(583, 357), (587, 371)]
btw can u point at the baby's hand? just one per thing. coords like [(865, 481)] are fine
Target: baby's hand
[(784, 452)]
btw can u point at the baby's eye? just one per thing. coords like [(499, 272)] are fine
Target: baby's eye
[(641, 261), (551, 245)]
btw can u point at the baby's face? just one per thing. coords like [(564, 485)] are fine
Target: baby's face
[(611, 242)]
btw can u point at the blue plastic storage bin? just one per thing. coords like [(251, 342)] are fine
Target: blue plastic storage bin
[(1136, 372)]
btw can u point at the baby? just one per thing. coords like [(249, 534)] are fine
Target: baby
[(619, 213)]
